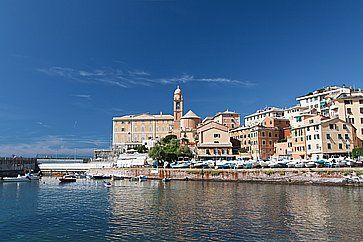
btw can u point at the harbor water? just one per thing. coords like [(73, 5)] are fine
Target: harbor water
[(178, 210)]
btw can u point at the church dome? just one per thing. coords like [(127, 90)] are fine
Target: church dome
[(190, 115)]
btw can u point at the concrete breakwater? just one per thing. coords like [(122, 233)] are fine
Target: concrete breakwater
[(321, 176)]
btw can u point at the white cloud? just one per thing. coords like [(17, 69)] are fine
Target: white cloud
[(85, 96), (131, 78)]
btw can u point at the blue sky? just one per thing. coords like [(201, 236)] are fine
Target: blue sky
[(68, 67)]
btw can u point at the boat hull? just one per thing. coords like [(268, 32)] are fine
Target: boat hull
[(15, 179)]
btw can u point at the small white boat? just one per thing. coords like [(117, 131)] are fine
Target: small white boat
[(107, 184), (166, 179), (19, 178), (33, 177)]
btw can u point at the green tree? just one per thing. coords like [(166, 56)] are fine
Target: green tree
[(167, 139), (357, 152), (169, 149)]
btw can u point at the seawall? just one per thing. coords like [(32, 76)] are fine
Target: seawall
[(319, 176)]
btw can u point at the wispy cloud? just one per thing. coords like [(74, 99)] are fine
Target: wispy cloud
[(130, 78), (65, 145), (220, 80), (83, 96)]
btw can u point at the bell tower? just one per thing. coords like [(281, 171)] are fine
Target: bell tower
[(178, 109)]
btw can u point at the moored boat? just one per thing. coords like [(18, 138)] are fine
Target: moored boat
[(67, 178), (116, 177), (19, 178), (32, 177), (180, 165), (100, 177), (201, 164)]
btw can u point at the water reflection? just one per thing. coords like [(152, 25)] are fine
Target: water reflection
[(235, 211), (183, 210)]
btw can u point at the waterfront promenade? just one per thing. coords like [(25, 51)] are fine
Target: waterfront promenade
[(317, 176)]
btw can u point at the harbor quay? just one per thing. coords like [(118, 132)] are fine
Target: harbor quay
[(314, 176)]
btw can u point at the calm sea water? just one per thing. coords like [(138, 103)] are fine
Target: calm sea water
[(156, 211)]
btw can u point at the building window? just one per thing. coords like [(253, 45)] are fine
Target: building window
[(309, 147), (361, 101), (339, 136), (217, 135), (346, 136), (263, 134), (328, 136), (344, 126), (347, 101), (351, 120), (263, 142), (329, 146), (331, 126), (269, 134), (361, 110), (349, 110), (340, 146)]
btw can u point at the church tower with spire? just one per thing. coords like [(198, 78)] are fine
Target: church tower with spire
[(178, 109)]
